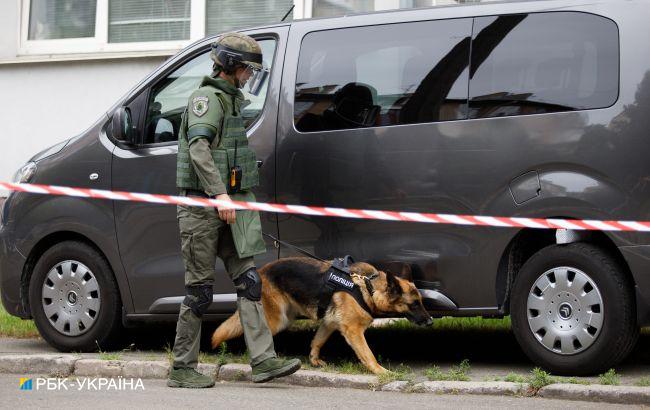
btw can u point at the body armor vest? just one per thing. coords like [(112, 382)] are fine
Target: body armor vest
[(229, 149)]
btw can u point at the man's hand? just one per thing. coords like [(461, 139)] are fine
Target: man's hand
[(227, 215)]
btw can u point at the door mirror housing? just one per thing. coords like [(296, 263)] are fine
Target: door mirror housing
[(122, 125)]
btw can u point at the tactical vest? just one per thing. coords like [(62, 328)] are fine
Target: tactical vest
[(229, 148)]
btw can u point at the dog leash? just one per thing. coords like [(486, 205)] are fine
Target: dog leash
[(277, 242)]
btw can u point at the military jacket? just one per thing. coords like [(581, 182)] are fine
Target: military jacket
[(213, 115)]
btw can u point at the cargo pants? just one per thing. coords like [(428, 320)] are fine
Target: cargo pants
[(204, 237)]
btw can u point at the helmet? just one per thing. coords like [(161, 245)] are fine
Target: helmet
[(232, 49), (237, 49)]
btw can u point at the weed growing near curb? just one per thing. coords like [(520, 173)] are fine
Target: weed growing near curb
[(643, 382), (609, 378), (571, 380), (401, 373), (539, 378), (170, 355), (106, 355), (515, 378), (456, 373), (209, 358)]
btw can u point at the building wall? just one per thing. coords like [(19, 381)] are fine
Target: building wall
[(44, 103)]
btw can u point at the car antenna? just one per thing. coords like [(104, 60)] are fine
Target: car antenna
[(288, 12)]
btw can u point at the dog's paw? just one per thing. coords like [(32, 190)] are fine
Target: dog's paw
[(316, 362)]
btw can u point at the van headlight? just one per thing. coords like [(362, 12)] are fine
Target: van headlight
[(25, 174)]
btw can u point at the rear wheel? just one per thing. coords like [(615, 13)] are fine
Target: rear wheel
[(74, 298), (573, 310)]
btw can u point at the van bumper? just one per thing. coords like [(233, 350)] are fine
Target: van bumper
[(638, 259), (11, 268)]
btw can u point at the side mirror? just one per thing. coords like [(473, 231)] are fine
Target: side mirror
[(122, 127)]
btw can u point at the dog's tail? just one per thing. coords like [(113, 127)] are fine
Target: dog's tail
[(229, 329)]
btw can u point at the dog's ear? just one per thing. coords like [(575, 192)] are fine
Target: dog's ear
[(406, 272), (393, 288), (400, 269)]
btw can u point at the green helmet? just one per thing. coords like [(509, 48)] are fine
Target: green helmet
[(233, 49)]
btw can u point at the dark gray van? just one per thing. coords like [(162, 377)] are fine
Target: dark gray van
[(531, 108)]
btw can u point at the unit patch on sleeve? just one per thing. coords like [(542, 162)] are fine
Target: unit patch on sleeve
[(200, 105)]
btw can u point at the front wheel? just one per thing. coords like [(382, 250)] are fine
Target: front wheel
[(573, 310), (74, 298)]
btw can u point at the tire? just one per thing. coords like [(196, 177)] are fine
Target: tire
[(89, 300), (556, 324)]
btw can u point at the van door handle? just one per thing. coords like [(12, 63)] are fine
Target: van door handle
[(259, 163)]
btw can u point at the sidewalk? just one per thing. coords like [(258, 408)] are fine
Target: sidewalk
[(34, 356)]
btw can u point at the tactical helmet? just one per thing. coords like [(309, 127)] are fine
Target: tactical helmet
[(236, 49), (233, 49)]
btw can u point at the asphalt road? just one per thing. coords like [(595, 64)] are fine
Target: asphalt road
[(249, 396)]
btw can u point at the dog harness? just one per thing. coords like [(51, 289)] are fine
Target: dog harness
[(338, 279)]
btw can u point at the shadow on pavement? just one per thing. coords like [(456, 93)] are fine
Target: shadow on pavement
[(425, 346)]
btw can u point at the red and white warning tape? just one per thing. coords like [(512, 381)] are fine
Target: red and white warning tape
[(639, 226)]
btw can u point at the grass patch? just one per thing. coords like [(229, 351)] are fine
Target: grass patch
[(456, 373), (400, 373), (224, 356), (539, 378), (643, 382), (12, 326), (515, 378), (449, 323), (609, 378), (169, 354), (107, 355), (571, 380), (343, 366)]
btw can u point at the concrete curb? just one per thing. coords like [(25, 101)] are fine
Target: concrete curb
[(309, 378), (61, 365), (609, 394)]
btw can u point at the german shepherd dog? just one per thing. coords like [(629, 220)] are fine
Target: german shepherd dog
[(291, 289)]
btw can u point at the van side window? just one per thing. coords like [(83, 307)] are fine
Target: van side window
[(169, 96), (383, 75), (541, 63)]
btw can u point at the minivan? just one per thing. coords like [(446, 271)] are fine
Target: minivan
[(519, 109)]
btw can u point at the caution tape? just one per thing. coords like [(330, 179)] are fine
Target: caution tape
[(467, 220)]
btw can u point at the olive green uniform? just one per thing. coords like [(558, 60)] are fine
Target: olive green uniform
[(212, 139)]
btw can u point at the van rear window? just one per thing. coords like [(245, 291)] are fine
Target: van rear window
[(541, 63)]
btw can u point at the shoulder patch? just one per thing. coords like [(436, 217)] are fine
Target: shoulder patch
[(199, 105)]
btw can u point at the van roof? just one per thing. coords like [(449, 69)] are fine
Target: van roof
[(415, 9), (544, 4)]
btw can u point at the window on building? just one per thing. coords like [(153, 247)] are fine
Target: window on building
[(331, 8), (225, 15), (391, 74), (169, 97), (60, 19), (540, 63), (148, 20)]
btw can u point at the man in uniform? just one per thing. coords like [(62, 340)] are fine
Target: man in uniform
[(214, 161)]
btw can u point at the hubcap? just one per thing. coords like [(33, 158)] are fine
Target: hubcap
[(565, 310), (71, 298)]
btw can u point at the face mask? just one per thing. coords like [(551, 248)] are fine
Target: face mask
[(257, 80)]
